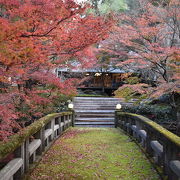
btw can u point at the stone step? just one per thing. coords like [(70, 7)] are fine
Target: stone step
[(94, 108), (97, 102), (100, 103), (107, 99), (95, 126), (97, 98), (90, 119), (94, 116), (110, 101), (95, 111), (103, 100), (94, 123), (95, 105)]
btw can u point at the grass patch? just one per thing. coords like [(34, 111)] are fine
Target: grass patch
[(94, 153)]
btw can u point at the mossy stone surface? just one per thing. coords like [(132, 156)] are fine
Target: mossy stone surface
[(169, 135), (16, 140)]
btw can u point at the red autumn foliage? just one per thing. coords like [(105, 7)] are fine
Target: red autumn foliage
[(37, 36), (149, 39)]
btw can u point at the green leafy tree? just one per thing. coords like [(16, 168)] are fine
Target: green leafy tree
[(107, 6)]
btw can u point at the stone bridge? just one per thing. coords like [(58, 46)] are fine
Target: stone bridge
[(111, 153)]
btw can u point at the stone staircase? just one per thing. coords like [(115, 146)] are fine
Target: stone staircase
[(95, 111)]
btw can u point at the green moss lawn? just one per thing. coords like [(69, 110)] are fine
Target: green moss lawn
[(94, 153)]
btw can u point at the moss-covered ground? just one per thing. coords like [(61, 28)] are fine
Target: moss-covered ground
[(94, 153)]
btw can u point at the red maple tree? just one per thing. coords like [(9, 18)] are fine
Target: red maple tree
[(37, 36), (149, 39)]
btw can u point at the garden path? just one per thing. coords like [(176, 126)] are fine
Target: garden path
[(94, 153)]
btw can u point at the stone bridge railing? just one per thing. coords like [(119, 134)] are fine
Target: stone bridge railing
[(27, 146), (162, 145)]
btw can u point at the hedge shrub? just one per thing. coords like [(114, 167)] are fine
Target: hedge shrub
[(157, 113)]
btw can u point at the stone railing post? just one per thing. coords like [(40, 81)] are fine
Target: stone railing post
[(20, 153), (52, 127), (26, 150), (40, 135), (63, 121), (148, 141), (60, 127), (171, 152)]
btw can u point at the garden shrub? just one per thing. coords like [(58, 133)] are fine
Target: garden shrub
[(129, 92), (126, 93), (132, 80), (158, 113)]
